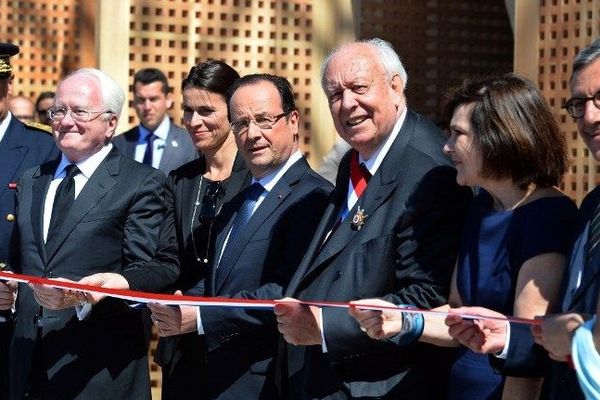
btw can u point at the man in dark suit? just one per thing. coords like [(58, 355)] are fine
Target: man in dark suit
[(157, 141), (390, 230), (269, 227), (519, 354), (90, 212), (21, 147)]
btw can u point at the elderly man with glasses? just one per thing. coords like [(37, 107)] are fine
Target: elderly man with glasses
[(92, 212)]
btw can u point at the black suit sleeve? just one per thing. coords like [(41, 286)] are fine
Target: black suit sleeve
[(524, 358), (141, 228)]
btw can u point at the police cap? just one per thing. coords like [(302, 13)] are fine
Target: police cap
[(7, 50)]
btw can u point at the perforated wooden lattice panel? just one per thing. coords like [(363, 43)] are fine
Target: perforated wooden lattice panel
[(441, 43), (250, 35), (566, 27), (55, 37)]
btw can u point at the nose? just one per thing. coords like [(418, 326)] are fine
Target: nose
[(196, 119), (591, 114), (449, 145), (348, 100), (253, 130)]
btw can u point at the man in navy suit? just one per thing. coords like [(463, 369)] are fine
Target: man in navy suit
[(21, 147), (90, 213), (259, 246), (519, 354), (156, 141), (390, 230)]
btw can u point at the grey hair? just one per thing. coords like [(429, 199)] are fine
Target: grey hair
[(388, 58), (113, 97), (586, 56)]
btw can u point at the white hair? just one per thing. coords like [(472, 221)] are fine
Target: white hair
[(111, 93), (388, 58)]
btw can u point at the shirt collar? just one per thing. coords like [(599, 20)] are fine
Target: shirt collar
[(87, 166), (4, 125), (270, 180), (161, 131), (376, 159)]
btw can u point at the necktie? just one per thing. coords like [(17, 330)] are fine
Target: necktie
[(251, 196), (593, 235), (149, 149), (63, 200)]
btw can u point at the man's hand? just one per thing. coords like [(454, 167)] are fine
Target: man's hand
[(105, 280), (8, 294), (298, 323), (479, 335), (56, 299), (173, 320), (555, 334), (378, 324)]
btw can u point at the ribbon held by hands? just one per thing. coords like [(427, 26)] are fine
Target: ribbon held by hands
[(177, 299)]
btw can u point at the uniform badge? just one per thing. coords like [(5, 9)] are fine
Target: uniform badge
[(358, 220)]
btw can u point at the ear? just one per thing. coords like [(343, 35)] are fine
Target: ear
[(397, 87), (293, 121), (112, 126), (9, 85), (169, 100)]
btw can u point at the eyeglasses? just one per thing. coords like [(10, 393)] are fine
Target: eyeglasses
[(241, 126), (57, 114), (575, 106)]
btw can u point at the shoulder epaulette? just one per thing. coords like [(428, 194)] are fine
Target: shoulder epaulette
[(39, 126)]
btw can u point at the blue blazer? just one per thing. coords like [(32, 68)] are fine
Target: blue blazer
[(241, 344), (22, 147), (179, 148)]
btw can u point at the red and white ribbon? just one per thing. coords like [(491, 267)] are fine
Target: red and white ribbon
[(174, 299)]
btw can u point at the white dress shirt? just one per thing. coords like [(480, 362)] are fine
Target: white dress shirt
[(161, 132)]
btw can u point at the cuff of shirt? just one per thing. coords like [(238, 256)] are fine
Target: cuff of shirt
[(83, 310), (199, 326), (323, 343), (502, 355)]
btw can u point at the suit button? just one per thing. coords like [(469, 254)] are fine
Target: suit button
[(10, 217)]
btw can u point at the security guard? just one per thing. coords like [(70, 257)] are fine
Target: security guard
[(21, 147)]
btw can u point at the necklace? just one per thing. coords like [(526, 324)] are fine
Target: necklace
[(213, 195), (196, 204)]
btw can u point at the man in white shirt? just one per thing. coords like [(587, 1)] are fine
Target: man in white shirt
[(265, 232), (156, 141), (92, 212)]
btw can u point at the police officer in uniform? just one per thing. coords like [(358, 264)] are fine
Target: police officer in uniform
[(21, 147)]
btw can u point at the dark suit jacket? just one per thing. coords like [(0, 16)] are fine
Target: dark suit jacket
[(179, 148), (242, 343), (561, 382), (404, 253), (111, 227), (22, 147), (181, 357)]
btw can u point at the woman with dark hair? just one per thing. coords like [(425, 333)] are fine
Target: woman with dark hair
[(504, 140), (194, 197)]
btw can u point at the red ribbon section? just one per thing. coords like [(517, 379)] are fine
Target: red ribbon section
[(173, 299)]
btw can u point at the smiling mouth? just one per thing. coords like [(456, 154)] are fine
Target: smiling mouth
[(355, 121)]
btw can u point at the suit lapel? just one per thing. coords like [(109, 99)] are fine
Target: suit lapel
[(169, 151), (95, 189), (274, 199), (41, 183)]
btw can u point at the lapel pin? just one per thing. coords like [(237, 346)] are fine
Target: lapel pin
[(358, 220), (12, 185), (174, 143)]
